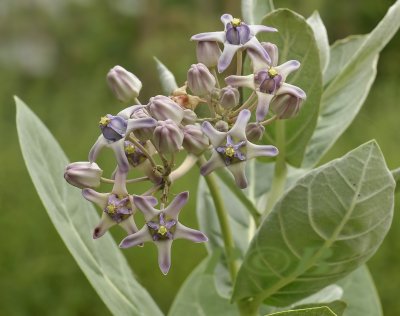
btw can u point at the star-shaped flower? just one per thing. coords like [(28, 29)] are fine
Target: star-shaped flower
[(162, 227), (237, 35), (268, 80), (232, 149)]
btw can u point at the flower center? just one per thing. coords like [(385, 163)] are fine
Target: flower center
[(111, 208), (130, 148), (236, 22), (162, 230), (272, 72), (229, 151), (104, 120)]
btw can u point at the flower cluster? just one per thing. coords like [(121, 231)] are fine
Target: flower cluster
[(146, 137)]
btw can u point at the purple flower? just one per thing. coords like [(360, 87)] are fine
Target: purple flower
[(162, 227), (237, 35), (232, 149), (117, 207), (83, 174), (124, 84), (267, 81)]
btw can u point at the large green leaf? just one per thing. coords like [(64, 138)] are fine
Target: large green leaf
[(198, 295), (296, 40), (253, 11), (321, 37), (360, 294), (167, 78), (344, 96), (329, 223), (312, 311), (74, 218)]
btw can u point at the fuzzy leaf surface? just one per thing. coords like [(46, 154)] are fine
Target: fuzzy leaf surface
[(253, 11)]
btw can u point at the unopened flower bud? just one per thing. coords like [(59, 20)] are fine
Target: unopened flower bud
[(124, 84), (163, 108), (286, 105), (113, 127), (200, 80), (272, 51), (189, 117), (167, 136), (195, 141), (222, 126), (208, 53), (229, 97), (83, 174), (142, 134), (254, 132)]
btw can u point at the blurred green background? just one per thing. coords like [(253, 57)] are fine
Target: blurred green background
[(54, 54)]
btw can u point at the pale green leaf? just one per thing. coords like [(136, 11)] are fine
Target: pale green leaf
[(344, 96), (74, 218), (396, 176), (253, 11), (329, 223), (295, 39), (312, 311), (198, 295), (338, 307), (167, 78), (360, 294), (321, 37)]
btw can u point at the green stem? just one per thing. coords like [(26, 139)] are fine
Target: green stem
[(214, 72), (239, 62), (249, 307), (279, 179), (223, 220)]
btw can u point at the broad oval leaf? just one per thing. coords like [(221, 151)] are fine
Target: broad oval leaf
[(329, 223), (100, 260), (344, 96), (167, 78), (296, 40), (198, 295), (312, 311), (253, 11), (321, 37)]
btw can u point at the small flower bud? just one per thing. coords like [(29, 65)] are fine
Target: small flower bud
[(286, 105), (194, 140), (254, 132), (167, 136), (200, 80), (142, 134), (222, 126), (189, 117), (113, 127), (272, 51), (163, 108), (229, 97), (208, 53), (124, 84), (83, 174)]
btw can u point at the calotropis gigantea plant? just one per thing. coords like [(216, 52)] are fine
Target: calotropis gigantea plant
[(282, 235)]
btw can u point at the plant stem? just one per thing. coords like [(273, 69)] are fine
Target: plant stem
[(223, 220), (239, 62), (249, 307), (144, 151), (279, 179), (106, 180), (214, 72)]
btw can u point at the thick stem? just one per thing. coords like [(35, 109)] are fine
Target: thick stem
[(279, 179), (214, 72), (239, 62), (223, 220), (249, 307)]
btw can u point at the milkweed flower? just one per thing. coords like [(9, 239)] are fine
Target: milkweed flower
[(232, 149), (83, 174), (236, 36), (162, 227), (124, 84)]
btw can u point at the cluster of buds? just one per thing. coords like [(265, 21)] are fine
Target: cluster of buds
[(146, 137)]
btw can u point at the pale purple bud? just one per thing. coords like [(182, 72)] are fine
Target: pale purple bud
[(167, 136), (286, 105), (124, 84), (272, 51), (254, 132), (229, 97), (142, 134), (200, 80), (83, 174), (163, 108), (208, 53), (221, 126), (194, 140), (113, 127), (189, 117)]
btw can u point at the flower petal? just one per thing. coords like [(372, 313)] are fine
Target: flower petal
[(188, 233), (119, 152), (126, 113), (238, 172), (105, 223), (145, 205), (254, 150), (176, 205), (258, 60), (286, 68), (164, 255), (100, 143), (93, 196), (226, 18), (241, 81), (216, 137), (256, 46), (209, 37), (213, 163), (136, 239), (254, 29), (291, 89), (119, 183), (129, 225), (227, 56), (139, 123), (264, 99), (238, 130)]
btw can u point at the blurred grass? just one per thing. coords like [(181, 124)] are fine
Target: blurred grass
[(55, 56)]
